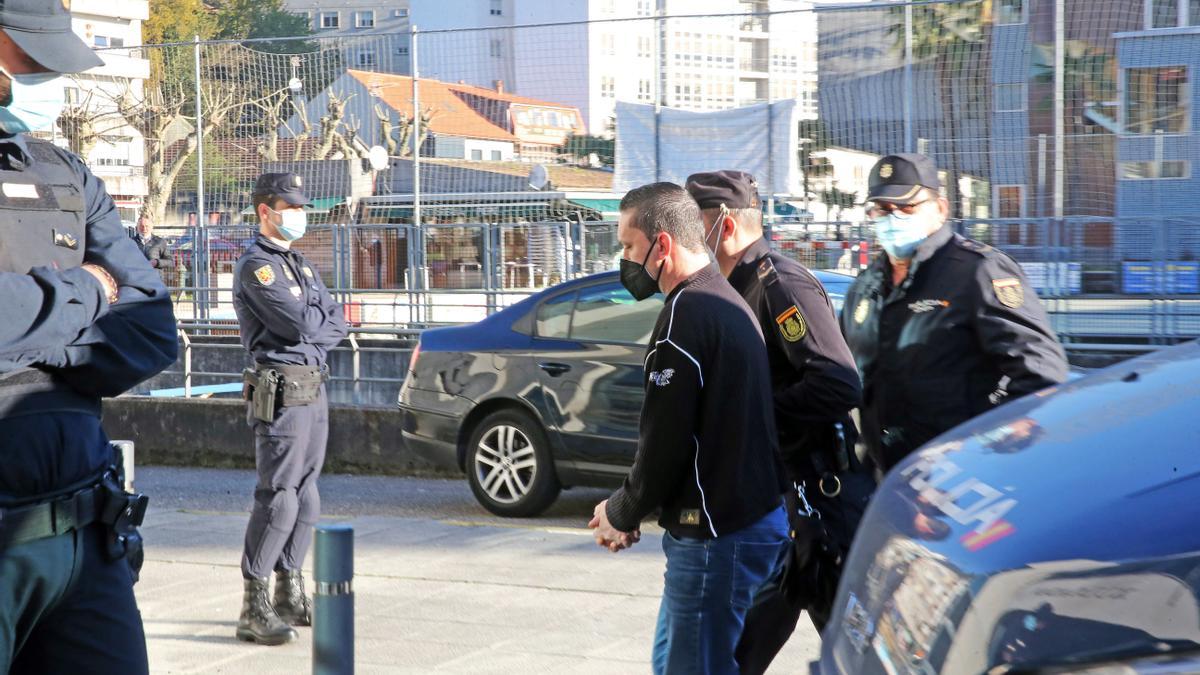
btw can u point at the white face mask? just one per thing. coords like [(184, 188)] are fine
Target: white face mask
[(37, 102), (292, 223)]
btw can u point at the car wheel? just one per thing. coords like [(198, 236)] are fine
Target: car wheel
[(509, 465)]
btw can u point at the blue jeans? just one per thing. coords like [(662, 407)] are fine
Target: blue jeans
[(710, 583)]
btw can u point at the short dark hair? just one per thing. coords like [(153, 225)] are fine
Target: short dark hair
[(666, 207), (268, 199)]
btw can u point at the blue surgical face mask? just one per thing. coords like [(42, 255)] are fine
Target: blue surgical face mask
[(900, 234), (292, 223), (37, 101)]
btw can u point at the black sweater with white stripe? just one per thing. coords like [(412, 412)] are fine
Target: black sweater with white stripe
[(707, 451)]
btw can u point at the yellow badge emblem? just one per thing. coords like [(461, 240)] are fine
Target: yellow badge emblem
[(885, 171), (862, 310), (1009, 292), (792, 324), (265, 275), (308, 272)]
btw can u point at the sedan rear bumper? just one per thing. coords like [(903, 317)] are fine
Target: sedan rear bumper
[(432, 435)]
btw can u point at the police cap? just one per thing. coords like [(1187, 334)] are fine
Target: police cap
[(286, 186), (899, 178), (734, 189), (42, 29)]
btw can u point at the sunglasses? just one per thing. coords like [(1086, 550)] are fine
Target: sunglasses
[(884, 208)]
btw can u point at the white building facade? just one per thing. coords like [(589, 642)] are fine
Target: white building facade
[(119, 155), (610, 50)]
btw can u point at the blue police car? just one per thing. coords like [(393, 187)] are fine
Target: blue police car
[(542, 395), (1055, 534)]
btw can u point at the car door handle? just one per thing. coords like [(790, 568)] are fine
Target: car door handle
[(554, 369)]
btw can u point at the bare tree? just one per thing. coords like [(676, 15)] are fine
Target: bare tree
[(396, 135), (89, 120)]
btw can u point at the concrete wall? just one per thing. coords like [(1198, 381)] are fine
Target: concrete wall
[(214, 433)]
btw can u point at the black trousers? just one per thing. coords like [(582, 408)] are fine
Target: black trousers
[(289, 454), (64, 608)]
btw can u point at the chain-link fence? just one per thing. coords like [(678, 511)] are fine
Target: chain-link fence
[(453, 171)]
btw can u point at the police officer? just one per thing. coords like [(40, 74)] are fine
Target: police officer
[(288, 322), (815, 386), (84, 316), (942, 327)]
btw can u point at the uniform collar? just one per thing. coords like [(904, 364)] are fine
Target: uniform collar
[(748, 264), (265, 242), (925, 250), (700, 277), (16, 147)]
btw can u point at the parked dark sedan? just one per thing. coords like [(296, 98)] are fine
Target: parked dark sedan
[(1055, 534), (542, 395)]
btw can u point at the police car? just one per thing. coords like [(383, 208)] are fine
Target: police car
[(1055, 534)]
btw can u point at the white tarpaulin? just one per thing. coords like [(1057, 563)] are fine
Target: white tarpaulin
[(759, 139)]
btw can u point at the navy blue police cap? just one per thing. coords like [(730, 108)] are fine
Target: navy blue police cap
[(42, 29), (286, 186), (899, 178), (734, 189)]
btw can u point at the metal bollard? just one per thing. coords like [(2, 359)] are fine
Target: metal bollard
[(333, 601), (126, 448)]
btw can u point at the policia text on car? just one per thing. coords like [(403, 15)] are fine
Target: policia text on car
[(84, 316)]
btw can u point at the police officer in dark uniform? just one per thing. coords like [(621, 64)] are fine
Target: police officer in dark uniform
[(942, 327), (815, 386), (288, 322), (84, 316)]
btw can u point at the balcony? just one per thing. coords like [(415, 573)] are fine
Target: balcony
[(759, 25), (123, 63), (753, 67)]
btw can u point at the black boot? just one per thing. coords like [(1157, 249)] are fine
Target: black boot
[(259, 622), (292, 605)]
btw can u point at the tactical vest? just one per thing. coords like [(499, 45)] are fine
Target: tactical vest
[(42, 224)]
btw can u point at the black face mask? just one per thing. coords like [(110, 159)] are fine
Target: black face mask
[(636, 279)]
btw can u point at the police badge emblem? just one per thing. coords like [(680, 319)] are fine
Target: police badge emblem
[(265, 275), (792, 324), (861, 311), (885, 171), (288, 273), (1009, 292)]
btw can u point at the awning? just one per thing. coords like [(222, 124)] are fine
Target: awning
[(605, 207), (320, 205)]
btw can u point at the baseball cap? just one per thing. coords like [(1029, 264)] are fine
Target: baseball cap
[(286, 186), (42, 28), (899, 178)]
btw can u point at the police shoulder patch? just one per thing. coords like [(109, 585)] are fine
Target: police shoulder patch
[(791, 324), (265, 275), (767, 273), (1009, 292)]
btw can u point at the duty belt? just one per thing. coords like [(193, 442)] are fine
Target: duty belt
[(48, 519)]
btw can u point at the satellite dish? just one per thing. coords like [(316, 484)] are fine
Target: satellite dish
[(378, 157), (295, 84), (538, 177)]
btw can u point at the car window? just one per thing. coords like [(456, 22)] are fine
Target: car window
[(608, 313), (554, 316)]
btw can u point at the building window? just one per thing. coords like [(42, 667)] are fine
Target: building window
[(1010, 201), (645, 93), (1194, 13), (496, 48), (608, 44), (402, 51), (645, 7), (364, 19), (497, 8), (104, 41), (608, 87), (477, 155), (495, 155), (1009, 97), (400, 13), (1172, 13), (330, 20), (1165, 169), (365, 59), (645, 47), (1009, 12), (1156, 100)]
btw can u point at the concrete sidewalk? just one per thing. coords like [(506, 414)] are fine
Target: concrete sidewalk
[(451, 595)]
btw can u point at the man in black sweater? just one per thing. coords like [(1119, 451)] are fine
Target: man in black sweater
[(707, 455)]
